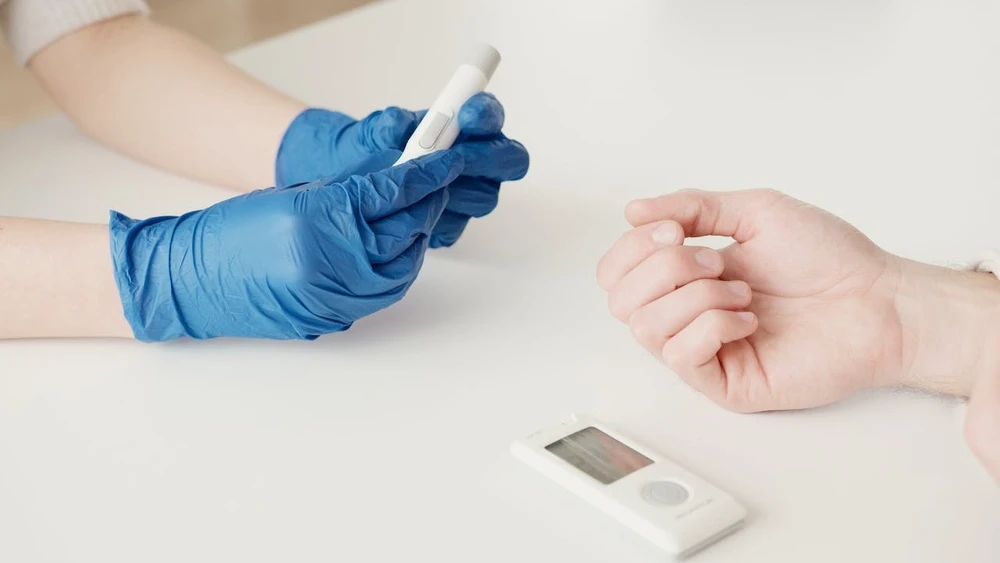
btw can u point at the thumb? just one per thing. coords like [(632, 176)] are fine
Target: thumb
[(481, 115), (387, 129), (704, 213)]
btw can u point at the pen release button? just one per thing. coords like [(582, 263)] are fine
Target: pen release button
[(436, 123)]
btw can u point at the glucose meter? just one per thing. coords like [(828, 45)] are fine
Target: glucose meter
[(668, 505)]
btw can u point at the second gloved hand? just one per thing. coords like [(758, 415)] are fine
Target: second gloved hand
[(324, 144), (282, 264)]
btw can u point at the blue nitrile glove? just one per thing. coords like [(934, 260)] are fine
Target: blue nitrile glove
[(282, 264), (321, 143)]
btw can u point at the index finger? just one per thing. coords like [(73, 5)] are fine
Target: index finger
[(704, 213)]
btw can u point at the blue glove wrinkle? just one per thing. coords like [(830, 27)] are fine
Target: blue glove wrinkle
[(323, 144), (281, 264), (395, 234), (307, 317), (399, 269), (145, 311), (421, 205), (474, 197), (448, 230), (307, 143), (420, 180)]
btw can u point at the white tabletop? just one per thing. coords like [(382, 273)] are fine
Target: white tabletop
[(389, 442)]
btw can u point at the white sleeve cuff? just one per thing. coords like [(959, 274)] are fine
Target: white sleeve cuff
[(30, 25), (987, 261)]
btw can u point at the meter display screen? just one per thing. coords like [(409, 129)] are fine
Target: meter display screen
[(598, 455)]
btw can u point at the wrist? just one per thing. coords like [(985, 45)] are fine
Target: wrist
[(141, 257), (306, 148), (949, 322)]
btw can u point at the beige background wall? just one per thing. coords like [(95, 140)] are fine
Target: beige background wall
[(224, 24)]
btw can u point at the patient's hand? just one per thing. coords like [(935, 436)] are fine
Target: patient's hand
[(801, 310)]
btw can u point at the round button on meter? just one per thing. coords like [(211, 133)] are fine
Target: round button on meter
[(664, 493)]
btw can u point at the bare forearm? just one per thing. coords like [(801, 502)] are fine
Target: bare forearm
[(951, 327), (162, 97), (56, 280)]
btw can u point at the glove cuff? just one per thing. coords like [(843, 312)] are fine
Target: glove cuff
[(307, 145), (143, 277)]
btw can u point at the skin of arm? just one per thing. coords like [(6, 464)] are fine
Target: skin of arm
[(162, 97), (830, 312), (56, 280), (156, 95), (953, 346), (950, 323), (165, 99)]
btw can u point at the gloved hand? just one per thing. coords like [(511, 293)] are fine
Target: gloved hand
[(322, 144), (282, 264)]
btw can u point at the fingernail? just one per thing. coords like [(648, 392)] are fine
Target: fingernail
[(739, 288), (707, 259), (745, 316), (666, 233)]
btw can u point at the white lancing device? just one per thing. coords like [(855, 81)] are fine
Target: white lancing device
[(439, 127), (659, 500)]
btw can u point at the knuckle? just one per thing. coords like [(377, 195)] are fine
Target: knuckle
[(718, 318), (770, 192), (665, 259), (394, 113), (385, 117), (640, 327), (370, 122), (705, 291), (714, 321), (716, 293), (768, 195), (745, 288), (672, 354), (617, 305), (641, 239), (674, 261), (602, 274), (606, 277), (638, 207)]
